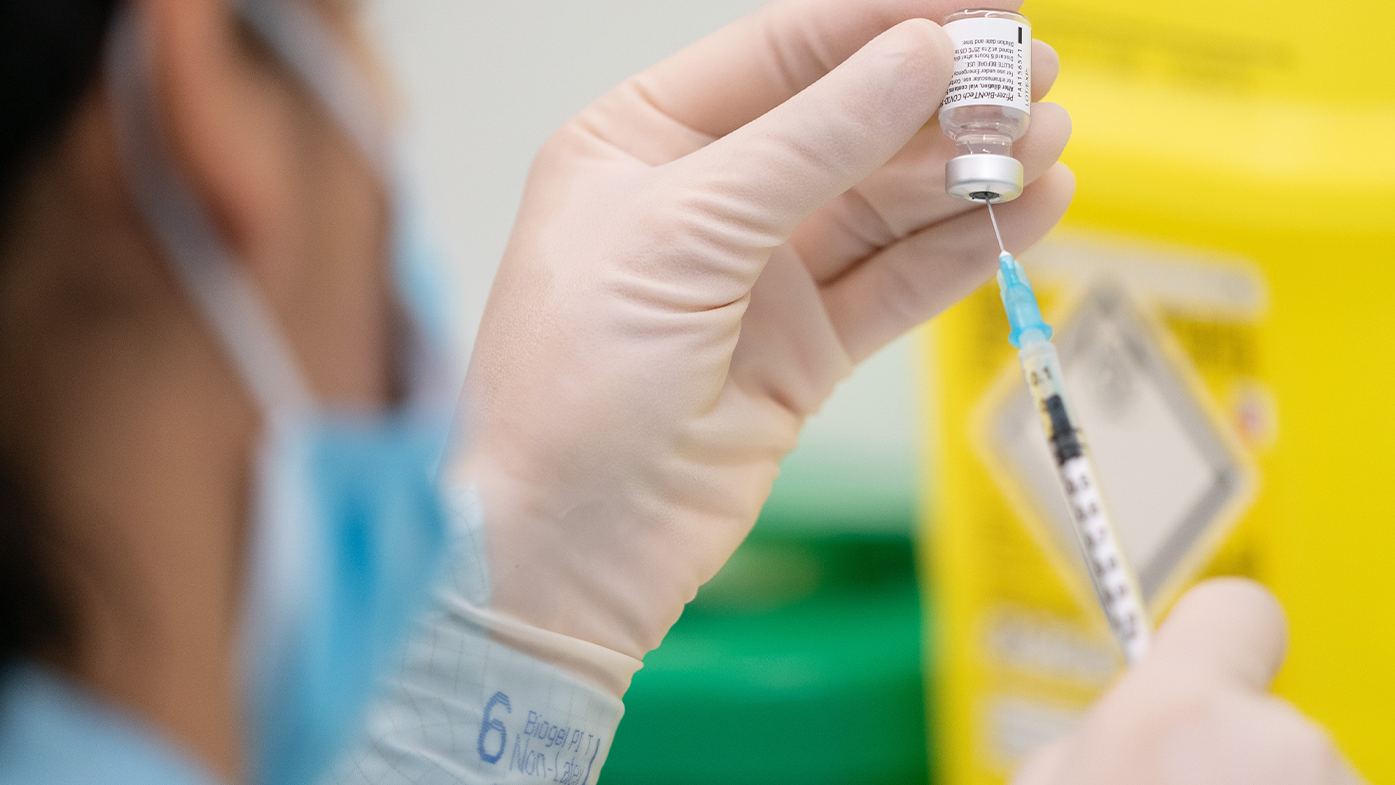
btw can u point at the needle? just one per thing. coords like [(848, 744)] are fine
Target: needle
[(996, 233)]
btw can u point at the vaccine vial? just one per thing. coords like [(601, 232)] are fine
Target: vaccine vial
[(988, 103)]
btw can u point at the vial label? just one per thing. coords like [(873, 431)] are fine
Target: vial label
[(992, 63)]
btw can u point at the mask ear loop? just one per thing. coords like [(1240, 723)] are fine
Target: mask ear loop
[(301, 38), (202, 263), (302, 41)]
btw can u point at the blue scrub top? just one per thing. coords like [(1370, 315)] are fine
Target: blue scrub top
[(53, 732)]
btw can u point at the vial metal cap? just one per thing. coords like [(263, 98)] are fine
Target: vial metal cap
[(984, 177)]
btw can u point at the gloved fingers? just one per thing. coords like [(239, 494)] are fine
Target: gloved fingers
[(908, 194), (749, 67), (1046, 66), (1194, 712), (788, 351), (1046, 766), (745, 193), (1247, 739), (1228, 628), (916, 278), (1228, 739), (634, 120)]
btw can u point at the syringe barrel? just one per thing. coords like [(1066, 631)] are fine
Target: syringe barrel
[(1109, 568)]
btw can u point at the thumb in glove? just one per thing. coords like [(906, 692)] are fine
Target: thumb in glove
[(1196, 710)]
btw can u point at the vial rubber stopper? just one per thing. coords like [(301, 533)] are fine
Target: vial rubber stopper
[(984, 177)]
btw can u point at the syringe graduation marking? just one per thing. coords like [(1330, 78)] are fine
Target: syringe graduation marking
[(1111, 579), (1109, 570)]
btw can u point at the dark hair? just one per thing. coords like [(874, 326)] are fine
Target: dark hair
[(50, 52)]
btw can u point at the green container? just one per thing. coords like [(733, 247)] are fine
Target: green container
[(800, 662)]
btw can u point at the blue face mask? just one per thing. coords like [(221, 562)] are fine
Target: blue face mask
[(348, 525)]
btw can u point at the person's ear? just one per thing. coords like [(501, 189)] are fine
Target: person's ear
[(229, 118)]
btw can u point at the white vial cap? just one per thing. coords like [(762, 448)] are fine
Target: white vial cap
[(984, 177)]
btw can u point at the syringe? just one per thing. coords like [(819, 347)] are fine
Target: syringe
[(1110, 571)]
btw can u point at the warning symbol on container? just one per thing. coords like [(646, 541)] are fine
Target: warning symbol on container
[(1171, 476)]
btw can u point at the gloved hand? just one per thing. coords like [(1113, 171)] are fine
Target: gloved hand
[(1195, 710), (699, 258)]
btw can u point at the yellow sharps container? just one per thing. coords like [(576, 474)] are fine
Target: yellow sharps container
[(1222, 293)]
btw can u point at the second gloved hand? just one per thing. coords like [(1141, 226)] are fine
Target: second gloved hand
[(699, 258), (1195, 710)]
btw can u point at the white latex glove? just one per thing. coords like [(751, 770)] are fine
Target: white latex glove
[(699, 258), (1196, 710)]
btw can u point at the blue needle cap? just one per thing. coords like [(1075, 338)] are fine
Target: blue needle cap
[(1020, 302)]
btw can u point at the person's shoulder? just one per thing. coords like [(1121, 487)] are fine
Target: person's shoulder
[(53, 731)]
